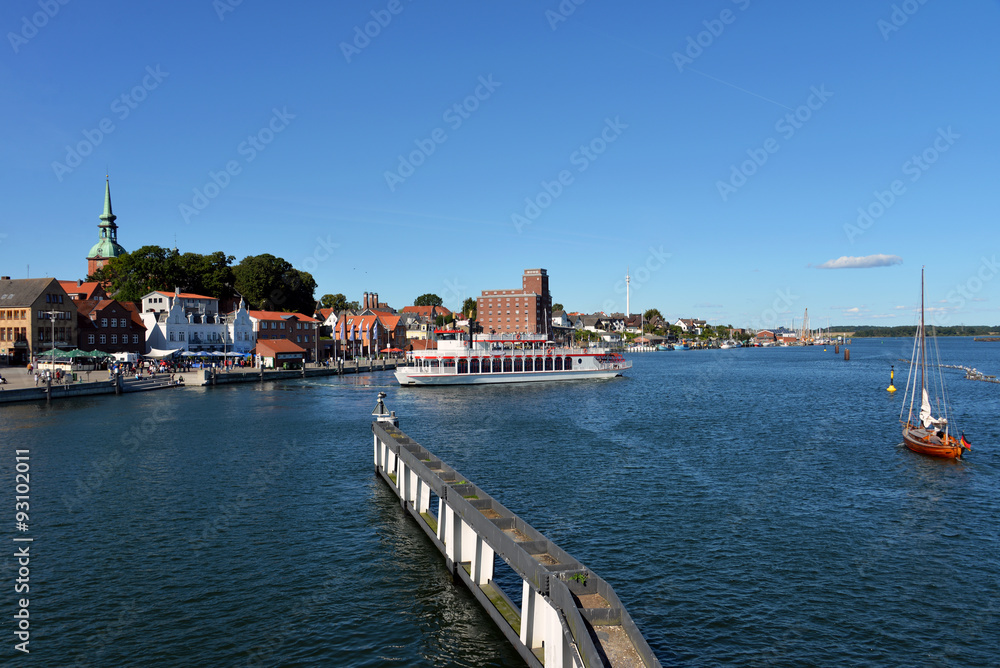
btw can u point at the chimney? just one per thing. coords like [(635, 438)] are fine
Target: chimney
[(79, 282), (364, 301), (377, 302)]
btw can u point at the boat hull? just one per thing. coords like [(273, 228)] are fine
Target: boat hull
[(408, 379), (927, 443)]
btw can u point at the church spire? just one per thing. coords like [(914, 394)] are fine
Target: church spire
[(107, 217)]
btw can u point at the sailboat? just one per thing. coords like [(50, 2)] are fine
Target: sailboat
[(927, 434)]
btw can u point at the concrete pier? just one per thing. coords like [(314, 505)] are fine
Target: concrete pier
[(568, 615)]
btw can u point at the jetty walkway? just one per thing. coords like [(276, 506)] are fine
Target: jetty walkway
[(568, 615)]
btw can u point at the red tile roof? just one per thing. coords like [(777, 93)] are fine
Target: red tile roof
[(427, 311), (280, 315), (86, 289), (183, 295), (273, 346)]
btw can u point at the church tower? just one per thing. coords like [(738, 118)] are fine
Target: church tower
[(107, 247)]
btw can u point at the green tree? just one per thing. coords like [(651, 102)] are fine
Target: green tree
[(651, 313), (428, 299), (272, 284), (557, 307), (337, 302), (469, 308), (131, 276), (210, 275)]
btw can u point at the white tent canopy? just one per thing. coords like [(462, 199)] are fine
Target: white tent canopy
[(156, 353)]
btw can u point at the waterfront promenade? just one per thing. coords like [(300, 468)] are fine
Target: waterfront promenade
[(20, 386)]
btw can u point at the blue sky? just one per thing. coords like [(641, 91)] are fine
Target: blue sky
[(722, 149)]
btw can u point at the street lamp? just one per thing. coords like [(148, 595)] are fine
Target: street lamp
[(52, 352)]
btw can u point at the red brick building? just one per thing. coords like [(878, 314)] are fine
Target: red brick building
[(295, 327), (110, 326), (279, 353), (527, 310)]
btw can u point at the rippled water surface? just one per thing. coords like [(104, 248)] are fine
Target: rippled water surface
[(750, 507)]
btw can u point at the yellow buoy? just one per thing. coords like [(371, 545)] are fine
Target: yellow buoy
[(892, 375)]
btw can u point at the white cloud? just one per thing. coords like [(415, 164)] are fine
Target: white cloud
[(866, 262)]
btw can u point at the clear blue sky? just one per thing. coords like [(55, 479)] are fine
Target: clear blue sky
[(655, 190)]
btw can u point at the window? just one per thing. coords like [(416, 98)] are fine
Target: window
[(114, 339), (171, 336), (90, 338), (135, 338), (298, 339), (114, 322), (104, 339), (104, 322)]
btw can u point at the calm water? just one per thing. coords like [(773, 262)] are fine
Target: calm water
[(751, 507)]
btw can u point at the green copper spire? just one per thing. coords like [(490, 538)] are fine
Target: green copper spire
[(107, 246), (107, 216)]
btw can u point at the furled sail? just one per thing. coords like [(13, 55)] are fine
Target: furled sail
[(925, 411)]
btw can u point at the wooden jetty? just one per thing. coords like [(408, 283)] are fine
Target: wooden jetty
[(568, 615)]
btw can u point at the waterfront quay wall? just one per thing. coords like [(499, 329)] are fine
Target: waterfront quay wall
[(58, 391), (568, 615), (219, 377)]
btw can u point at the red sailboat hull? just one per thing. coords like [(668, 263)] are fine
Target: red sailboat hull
[(929, 443)]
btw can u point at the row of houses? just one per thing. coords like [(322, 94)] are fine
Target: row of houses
[(39, 314)]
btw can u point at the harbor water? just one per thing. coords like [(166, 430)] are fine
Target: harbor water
[(749, 506)]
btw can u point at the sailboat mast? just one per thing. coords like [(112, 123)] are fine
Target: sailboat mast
[(923, 338)]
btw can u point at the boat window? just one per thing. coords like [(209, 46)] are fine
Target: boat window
[(559, 364), (496, 365), (508, 365), (463, 366), (569, 362), (548, 364), (474, 365), (518, 364)]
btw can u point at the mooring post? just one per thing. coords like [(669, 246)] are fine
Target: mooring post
[(847, 354)]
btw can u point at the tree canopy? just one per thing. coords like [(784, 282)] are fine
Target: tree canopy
[(265, 281), (651, 313), (557, 307), (337, 302), (428, 299), (271, 283), (469, 308)]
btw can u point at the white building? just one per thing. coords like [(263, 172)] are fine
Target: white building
[(193, 322)]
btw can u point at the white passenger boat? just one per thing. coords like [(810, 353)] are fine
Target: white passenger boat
[(495, 358)]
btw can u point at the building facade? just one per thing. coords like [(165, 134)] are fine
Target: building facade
[(191, 322), (109, 326), (527, 310), (36, 315), (295, 327)]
